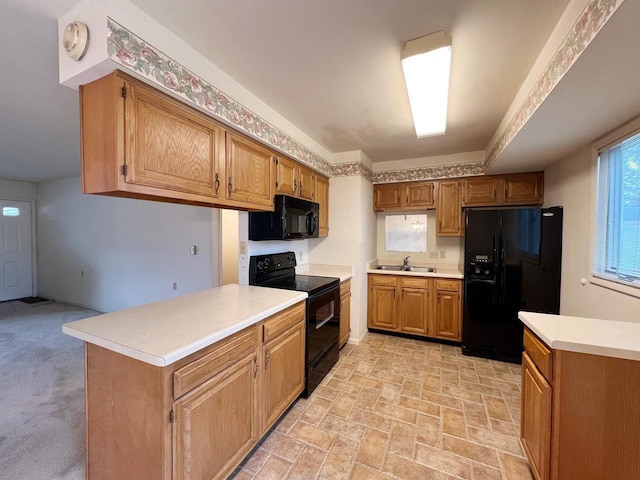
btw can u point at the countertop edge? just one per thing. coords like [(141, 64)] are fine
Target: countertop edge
[(458, 276), (174, 356), (530, 321)]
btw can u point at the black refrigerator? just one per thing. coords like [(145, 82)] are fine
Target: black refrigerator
[(512, 262)]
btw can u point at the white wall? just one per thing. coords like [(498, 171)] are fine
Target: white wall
[(351, 240), (569, 183), (131, 251), (453, 246), (229, 246)]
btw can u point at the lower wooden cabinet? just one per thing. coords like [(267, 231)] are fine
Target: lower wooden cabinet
[(345, 312), (580, 415), (448, 310), (284, 370), (199, 417), (416, 305), (201, 429)]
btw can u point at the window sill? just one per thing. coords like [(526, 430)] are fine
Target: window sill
[(628, 288)]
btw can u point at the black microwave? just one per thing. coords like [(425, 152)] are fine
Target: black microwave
[(292, 219)]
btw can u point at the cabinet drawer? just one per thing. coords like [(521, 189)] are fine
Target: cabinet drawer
[(539, 353), (225, 353), (345, 287), (282, 321), (449, 285), (415, 282), (383, 280)]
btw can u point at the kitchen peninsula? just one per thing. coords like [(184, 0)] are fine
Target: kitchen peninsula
[(580, 389), (170, 382)]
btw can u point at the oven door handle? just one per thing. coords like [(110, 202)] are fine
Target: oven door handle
[(323, 322)]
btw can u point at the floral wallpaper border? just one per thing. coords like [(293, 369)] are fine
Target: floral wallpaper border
[(430, 173), (133, 53), (595, 15), (350, 169)]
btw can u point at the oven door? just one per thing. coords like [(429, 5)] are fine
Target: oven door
[(323, 322)]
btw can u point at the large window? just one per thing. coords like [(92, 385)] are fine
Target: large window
[(617, 245)]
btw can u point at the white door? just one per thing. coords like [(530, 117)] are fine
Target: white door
[(15, 250)]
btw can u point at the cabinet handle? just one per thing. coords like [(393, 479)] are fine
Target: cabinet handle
[(217, 183), (230, 186), (255, 366), (267, 357), (295, 185)]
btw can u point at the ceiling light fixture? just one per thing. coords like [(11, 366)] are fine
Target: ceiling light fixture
[(426, 62)]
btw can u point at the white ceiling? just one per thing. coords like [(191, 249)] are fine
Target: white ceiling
[(332, 68)]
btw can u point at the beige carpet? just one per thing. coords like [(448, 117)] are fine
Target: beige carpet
[(41, 393)]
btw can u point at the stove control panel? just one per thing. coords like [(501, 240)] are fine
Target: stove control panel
[(272, 262)]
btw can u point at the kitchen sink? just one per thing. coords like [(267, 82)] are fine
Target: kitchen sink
[(400, 268), (422, 269)]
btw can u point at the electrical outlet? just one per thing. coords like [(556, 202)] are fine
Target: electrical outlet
[(193, 250), (175, 285), (243, 248), (443, 253), (433, 254)]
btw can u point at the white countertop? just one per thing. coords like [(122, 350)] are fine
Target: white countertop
[(442, 271), (161, 333), (609, 338), (343, 272)]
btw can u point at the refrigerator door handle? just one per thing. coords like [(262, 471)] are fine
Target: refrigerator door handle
[(503, 269), (496, 277)]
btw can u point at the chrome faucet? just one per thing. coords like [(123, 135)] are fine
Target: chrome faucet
[(405, 262)]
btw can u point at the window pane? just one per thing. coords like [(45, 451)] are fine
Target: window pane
[(405, 233), (617, 252), (10, 211)]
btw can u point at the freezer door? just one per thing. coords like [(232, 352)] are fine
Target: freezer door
[(480, 294)]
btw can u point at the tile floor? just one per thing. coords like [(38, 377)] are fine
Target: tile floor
[(400, 408)]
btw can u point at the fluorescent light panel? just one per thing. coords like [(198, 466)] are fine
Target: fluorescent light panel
[(426, 62)]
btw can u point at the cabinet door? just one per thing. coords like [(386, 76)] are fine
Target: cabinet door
[(414, 310), (382, 311), (287, 173), (169, 147), (216, 424), (322, 197), (419, 195), (447, 317), (448, 209), (535, 427), (479, 191), (345, 318), (523, 188), (387, 197), (249, 172), (307, 184), (284, 371)]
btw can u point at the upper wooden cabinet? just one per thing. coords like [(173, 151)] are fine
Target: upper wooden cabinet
[(523, 189), (249, 173), (403, 196), (307, 184), (140, 143), (448, 209), (322, 198), (497, 190), (287, 176)]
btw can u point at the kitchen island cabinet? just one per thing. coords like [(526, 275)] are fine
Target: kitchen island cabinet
[(175, 391), (580, 389)]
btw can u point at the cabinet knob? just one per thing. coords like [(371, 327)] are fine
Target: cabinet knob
[(230, 186), (217, 183)]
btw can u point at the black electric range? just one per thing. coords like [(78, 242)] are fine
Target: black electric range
[(277, 270)]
